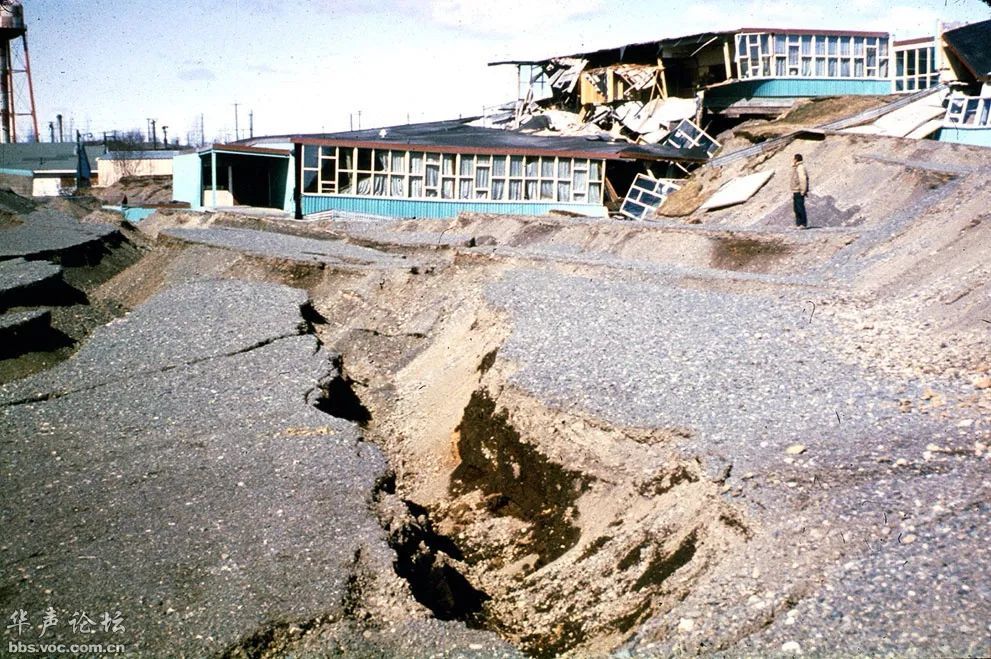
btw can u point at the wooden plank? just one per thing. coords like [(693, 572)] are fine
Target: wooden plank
[(663, 78), (610, 190)]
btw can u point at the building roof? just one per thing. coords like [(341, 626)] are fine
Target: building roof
[(163, 154), (45, 156), (812, 31), (456, 136), (245, 148), (972, 46), (648, 51), (644, 52)]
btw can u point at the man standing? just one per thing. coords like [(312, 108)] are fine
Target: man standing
[(799, 190)]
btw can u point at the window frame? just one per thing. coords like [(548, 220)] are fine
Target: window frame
[(421, 174)]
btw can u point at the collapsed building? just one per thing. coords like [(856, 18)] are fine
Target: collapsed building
[(610, 130)]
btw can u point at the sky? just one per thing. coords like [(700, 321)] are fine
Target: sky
[(313, 65)]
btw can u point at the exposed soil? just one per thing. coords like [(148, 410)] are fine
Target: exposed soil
[(563, 531)]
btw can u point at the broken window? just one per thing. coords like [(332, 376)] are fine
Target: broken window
[(646, 195), (811, 55), (687, 135), (968, 111)]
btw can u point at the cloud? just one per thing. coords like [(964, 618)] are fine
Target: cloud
[(508, 16), (196, 73)]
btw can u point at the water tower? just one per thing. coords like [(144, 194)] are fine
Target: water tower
[(13, 33)]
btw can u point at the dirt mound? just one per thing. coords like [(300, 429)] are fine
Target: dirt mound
[(139, 190), (11, 202), (78, 206)]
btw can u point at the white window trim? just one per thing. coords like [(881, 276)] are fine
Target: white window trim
[(767, 59), (594, 188)]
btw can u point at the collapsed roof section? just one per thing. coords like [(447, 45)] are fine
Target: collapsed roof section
[(464, 136), (971, 44)]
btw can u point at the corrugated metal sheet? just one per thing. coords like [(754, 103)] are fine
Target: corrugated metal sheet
[(973, 136), (799, 88), (437, 209)]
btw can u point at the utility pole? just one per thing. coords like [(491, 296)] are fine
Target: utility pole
[(251, 123), (58, 118), (351, 120), (154, 135), (165, 136), (202, 131), (148, 129), (359, 119), (236, 131)]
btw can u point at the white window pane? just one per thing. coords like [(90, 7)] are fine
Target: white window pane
[(581, 181)]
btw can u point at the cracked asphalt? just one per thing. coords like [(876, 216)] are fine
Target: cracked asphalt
[(173, 471)]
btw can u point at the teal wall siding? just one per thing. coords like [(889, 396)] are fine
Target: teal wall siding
[(974, 136), (288, 183), (16, 172), (186, 179), (796, 88), (430, 208)]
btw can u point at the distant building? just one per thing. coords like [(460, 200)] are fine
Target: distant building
[(42, 169), (115, 165)]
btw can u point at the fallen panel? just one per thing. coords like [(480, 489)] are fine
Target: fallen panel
[(926, 129), (657, 115), (646, 195), (904, 121), (737, 191)]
